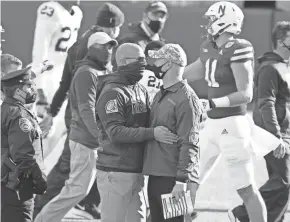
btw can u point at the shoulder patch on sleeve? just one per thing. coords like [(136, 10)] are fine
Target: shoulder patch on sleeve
[(111, 106), (25, 125)]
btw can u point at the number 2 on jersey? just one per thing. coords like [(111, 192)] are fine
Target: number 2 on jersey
[(61, 44), (152, 82), (210, 69)]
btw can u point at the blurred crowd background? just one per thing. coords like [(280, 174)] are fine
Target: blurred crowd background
[(183, 25)]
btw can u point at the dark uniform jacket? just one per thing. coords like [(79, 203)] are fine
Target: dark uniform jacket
[(123, 111), (272, 96), (178, 109), (21, 139)]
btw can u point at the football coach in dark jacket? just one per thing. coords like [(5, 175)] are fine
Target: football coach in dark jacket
[(109, 20), (272, 113), (123, 111), (173, 167)]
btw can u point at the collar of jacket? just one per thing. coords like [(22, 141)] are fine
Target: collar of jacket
[(154, 37), (174, 87), (87, 61), (270, 57)]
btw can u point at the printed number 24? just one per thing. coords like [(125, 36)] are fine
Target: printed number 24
[(152, 82), (210, 69)]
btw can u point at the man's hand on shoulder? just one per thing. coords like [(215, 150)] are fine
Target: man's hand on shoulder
[(163, 135)]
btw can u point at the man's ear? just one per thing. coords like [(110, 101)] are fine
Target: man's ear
[(279, 43), (167, 65)]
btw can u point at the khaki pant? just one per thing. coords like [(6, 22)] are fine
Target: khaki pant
[(122, 199), (81, 179)]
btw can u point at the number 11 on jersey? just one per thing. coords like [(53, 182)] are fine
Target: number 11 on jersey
[(210, 68)]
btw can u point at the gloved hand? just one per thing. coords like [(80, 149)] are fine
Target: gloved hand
[(46, 66), (39, 180)]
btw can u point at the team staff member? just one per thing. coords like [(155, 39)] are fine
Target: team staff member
[(176, 106), (123, 111), (22, 167), (83, 134), (149, 29), (272, 113), (109, 20)]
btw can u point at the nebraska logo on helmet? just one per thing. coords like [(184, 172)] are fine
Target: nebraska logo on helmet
[(224, 17)]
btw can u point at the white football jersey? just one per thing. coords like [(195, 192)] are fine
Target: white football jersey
[(55, 32), (151, 83)]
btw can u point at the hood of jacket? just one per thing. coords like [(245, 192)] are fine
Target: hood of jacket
[(86, 61), (269, 58)]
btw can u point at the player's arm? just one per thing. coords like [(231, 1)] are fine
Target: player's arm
[(85, 85), (62, 91), (188, 115), (268, 83), (243, 71), (111, 111), (194, 71)]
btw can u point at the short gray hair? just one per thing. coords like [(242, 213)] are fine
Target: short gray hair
[(280, 32)]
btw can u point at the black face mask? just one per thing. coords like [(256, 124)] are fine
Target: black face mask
[(155, 26), (134, 71), (101, 55), (28, 97), (159, 74)]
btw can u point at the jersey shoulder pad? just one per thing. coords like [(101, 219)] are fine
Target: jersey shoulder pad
[(239, 50), (49, 11), (77, 12)]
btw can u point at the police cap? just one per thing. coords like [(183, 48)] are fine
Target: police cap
[(22, 76)]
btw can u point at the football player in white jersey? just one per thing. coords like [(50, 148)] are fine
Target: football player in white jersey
[(150, 80), (56, 30)]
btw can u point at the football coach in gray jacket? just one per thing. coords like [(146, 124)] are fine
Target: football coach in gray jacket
[(173, 167)]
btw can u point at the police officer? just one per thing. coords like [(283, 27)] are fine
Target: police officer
[(22, 167)]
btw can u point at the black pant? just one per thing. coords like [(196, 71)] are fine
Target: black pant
[(275, 191), (156, 187), (14, 209)]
